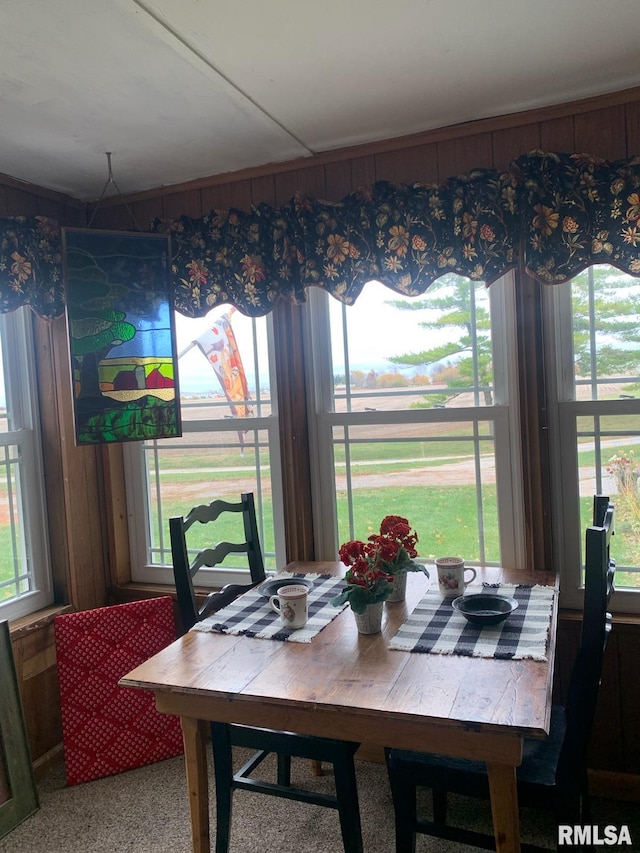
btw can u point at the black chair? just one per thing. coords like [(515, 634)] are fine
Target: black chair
[(553, 773), (185, 570), (224, 736)]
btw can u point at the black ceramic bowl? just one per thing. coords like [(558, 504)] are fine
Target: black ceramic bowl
[(271, 585), (484, 608)]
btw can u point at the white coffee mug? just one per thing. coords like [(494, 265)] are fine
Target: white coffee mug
[(451, 576), (291, 602)]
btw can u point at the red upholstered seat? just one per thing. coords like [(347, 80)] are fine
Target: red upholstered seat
[(107, 729)]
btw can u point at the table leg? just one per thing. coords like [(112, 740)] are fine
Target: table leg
[(194, 735), (504, 807)]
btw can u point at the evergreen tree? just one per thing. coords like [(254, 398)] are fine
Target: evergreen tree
[(612, 338), (462, 308), (606, 330)]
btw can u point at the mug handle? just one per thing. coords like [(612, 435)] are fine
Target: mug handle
[(473, 576), (273, 605)]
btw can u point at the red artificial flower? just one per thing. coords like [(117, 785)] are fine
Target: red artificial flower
[(373, 564), (397, 530), (383, 552)]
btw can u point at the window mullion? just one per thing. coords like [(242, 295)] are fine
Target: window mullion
[(478, 473)]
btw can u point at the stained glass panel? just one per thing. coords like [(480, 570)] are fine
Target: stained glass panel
[(121, 336)]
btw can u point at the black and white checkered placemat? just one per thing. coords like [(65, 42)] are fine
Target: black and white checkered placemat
[(434, 626), (251, 615)]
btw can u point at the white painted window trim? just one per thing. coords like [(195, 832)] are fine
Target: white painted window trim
[(504, 416), (138, 502), (19, 367), (564, 411)]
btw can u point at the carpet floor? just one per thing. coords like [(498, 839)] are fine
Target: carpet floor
[(145, 811)]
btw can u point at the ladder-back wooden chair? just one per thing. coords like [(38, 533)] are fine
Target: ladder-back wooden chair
[(284, 744), (185, 569), (553, 773)]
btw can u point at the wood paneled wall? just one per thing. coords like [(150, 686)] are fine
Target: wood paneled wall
[(75, 508), (608, 127), (84, 486)]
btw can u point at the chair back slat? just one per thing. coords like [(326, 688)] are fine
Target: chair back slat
[(184, 571), (601, 506), (210, 512), (213, 556)]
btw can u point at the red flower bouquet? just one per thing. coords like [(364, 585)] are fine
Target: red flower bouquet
[(374, 563)]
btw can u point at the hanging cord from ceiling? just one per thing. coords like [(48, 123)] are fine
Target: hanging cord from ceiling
[(112, 180)]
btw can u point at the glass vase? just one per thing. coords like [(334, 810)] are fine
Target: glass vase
[(370, 622), (399, 591)]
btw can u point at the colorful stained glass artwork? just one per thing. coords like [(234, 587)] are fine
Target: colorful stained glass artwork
[(121, 335)]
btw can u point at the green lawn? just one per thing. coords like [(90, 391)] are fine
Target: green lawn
[(444, 516), (432, 452)]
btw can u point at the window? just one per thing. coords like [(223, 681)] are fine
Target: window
[(25, 582), (593, 330), (229, 445), (416, 416), (413, 409)]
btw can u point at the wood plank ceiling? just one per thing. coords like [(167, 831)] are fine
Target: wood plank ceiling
[(181, 89)]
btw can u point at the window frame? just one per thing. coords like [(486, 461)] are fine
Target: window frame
[(138, 498), (564, 412), (505, 413), (18, 357), (554, 421)]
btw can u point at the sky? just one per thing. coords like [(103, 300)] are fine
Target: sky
[(376, 331)]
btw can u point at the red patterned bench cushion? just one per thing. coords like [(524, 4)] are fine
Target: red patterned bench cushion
[(107, 729)]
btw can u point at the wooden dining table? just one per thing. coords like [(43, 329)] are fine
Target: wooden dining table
[(352, 686)]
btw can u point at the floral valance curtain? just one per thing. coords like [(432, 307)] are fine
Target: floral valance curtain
[(31, 265), (563, 212), (403, 235), (577, 211)]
